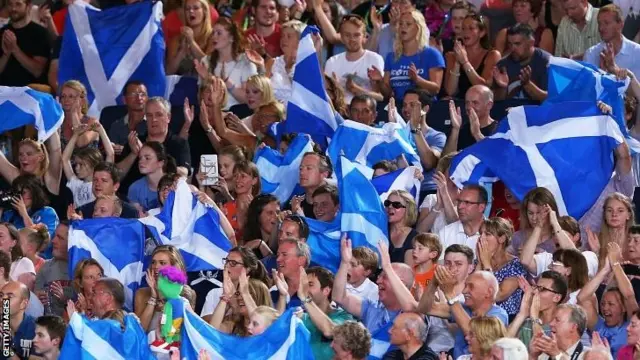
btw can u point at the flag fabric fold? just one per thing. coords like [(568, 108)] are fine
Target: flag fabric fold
[(105, 49), (324, 243), (104, 239), (565, 147), (104, 339), (367, 145), (192, 227), (279, 173), (285, 338), (402, 179), (21, 106)]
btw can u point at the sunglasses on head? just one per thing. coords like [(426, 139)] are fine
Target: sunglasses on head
[(395, 204)]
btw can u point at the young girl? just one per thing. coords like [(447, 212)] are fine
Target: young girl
[(153, 163), (34, 239), (85, 159), (260, 319)]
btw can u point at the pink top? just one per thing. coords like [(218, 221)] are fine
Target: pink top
[(625, 353)]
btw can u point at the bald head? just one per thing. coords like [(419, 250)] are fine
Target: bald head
[(16, 288), (405, 273), (18, 295), (597, 354), (490, 281), (483, 91), (415, 324)]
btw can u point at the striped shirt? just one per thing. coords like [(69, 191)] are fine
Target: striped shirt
[(572, 40)]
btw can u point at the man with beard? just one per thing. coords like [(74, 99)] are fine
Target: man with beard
[(522, 74), (352, 67), (25, 48), (264, 36)]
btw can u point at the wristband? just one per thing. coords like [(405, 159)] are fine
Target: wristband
[(152, 301)]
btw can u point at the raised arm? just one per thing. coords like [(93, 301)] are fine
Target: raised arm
[(529, 249), (318, 317), (106, 143), (624, 284), (66, 156), (402, 293), (351, 303), (54, 172)]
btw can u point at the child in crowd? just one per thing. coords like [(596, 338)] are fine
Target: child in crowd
[(50, 332), (33, 240), (364, 263), (261, 318), (84, 160), (426, 252)]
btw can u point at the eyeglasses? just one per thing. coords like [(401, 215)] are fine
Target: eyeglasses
[(232, 263), (395, 204), (542, 288), (467, 203), (137, 94)]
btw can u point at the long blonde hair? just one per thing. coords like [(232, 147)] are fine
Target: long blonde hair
[(79, 87), (605, 230), (202, 38), (423, 35)]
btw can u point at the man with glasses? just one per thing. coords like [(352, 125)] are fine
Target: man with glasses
[(538, 306), (53, 284), (135, 98), (22, 326), (567, 326), (471, 204), (108, 297)]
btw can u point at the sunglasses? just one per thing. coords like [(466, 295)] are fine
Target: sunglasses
[(395, 204)]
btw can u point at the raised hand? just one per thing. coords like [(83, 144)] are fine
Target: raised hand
[(255, 58), (460, 53), (280, 282), (385, 259), (500, 77), (151, 281), (454, 114), (374, 74), (592, 240), (525, 75), (346, 252), (188, 111)]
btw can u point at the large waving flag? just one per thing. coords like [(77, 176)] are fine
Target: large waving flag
[(192, 227), (380, 343), (279, 174), (367, 145), (324, 243), (21, 106), (104, 239), (402, 179), (285, 339), (566, 148), (104, 339), (308, 110), (570, 80), (105, 49)]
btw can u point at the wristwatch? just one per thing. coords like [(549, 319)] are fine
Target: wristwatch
[(452, 301), (307, 300), (415, 131)]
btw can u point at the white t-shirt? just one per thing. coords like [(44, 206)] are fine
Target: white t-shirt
[(342, 67), (454, 234), (82, 193), (544, 259), (441, 220), (211, 301), (238, 71), (367, 290), (21, 266)]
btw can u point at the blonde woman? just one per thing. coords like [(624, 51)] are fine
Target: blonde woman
[(483, 332), (413, 63), (193, 42), (403, 213), (73, 98), (618, 217)]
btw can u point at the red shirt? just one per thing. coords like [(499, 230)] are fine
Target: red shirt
[(171, 24), (500, 204), (272, 41), (59, 18)]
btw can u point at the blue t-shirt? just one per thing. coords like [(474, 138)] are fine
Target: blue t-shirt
[(617, 335), (46, 215), (436, 141), (23, 339), (139, 193), (375, 315), (460, 346), (294, 301), (424, 60)]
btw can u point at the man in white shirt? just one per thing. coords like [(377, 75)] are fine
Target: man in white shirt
[(471, 204), (626, 52), (567, 327), (352, 67)]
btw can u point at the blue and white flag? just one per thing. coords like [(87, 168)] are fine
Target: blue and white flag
[(279, 174), (308, 110), (570, 80), (362, 215), (367, 145), (103, 239), (566, 148), (104, 339), (105, 49), (380, 342), (21, 106), (324, 243), (285, 339), (402, 179), (192, 227)]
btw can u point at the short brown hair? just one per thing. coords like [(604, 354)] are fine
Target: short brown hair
[(353, 19), (535, 6), (612, 8), (431, 241), (366, 257), (569, 224), (498, 227)]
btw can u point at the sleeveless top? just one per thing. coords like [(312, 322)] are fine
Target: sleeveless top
[(537, 35), (549, 21), (463, 81)]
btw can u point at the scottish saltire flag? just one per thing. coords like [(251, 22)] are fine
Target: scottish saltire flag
[(308, 110), (402, 179), (279, 174), (103, 240), (380, 342), (362, 217), (324, 243), (104, 339), (566, 148), (21, 106), (570, 80), (367, 145), (285, 338), (104, 49), (192, 227)]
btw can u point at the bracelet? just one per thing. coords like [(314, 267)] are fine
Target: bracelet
[(152, 301), (209, 130), (454, 73)]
